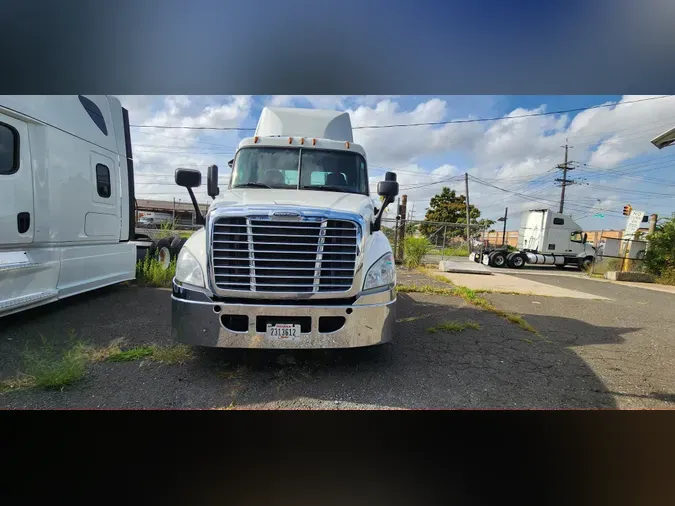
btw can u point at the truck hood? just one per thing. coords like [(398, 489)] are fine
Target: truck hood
[(306, 198)]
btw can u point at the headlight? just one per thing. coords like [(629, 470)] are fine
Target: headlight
[(188, 269), (382, 273)]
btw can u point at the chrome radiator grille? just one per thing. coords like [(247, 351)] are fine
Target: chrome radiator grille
[(284, 256)]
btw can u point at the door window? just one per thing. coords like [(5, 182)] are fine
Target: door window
[(9, 149)]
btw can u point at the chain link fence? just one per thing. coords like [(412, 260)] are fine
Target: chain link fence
[(446, 240)]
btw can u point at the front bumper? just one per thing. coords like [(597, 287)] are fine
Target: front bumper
[(196, 319)]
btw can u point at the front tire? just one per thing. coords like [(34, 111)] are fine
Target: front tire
[(162, 252), (585, 264)]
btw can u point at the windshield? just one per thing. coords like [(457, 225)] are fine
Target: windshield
[(293, 168)]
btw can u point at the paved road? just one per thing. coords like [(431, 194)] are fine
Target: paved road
[(500, 366), (628, 340)]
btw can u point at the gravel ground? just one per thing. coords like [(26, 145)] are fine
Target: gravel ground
[(500, 366)]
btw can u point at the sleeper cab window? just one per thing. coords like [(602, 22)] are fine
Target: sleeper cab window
[(558, 221), (103, 181), (94, 113), (9, 149)]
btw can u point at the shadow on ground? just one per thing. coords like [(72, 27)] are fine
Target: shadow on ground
[(498, 366)]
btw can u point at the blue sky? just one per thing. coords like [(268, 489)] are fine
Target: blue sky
[(615, 162)]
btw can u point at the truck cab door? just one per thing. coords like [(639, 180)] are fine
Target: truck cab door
[(576, 243), (17, 219)]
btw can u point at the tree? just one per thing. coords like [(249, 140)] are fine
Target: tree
[(448, 207), (660, 257)]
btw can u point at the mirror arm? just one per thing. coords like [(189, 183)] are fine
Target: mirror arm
[(199, 217), (377, 222)]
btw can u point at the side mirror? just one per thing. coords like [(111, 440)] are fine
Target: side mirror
[(585, 238), (230, 164), (188, 178), (212, 181), (191, 178), (387, 189)]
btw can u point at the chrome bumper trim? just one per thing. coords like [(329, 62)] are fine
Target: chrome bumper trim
[(370, 321)]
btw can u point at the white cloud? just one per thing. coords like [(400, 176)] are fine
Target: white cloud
[(509, 152)]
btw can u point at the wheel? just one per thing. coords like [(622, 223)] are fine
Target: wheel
[(515, 261), (176, 245), (585, 264), (497, 259), (162, 252)]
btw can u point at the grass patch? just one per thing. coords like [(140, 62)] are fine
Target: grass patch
[(461, 251), (49, 368), (176, 354), (470, 296), (150, 272), (410, 319), (453, 326), (16, 383), (131, 354)]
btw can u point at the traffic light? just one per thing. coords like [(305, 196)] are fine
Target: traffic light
[(627, 210)]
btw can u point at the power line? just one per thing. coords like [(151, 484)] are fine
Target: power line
[(427, 123)]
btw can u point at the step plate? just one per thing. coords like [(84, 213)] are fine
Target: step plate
[(27, 299)]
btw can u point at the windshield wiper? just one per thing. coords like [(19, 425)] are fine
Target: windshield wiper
[(252, 185), (326, 188)]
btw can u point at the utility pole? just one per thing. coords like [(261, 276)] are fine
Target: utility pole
[(404, 210), (564, 182), (412, 213), (468, 211), (506, 213)]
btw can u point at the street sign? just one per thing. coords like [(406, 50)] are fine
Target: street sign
[(598, 215), (633, 224)]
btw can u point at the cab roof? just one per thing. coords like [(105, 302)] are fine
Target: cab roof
[(313, 123)]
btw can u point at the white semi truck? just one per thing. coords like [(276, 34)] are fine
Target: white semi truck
[(545, 237), (67, 206), (291, 254)]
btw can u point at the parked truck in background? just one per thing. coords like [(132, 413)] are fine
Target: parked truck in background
[(151, 219), (67, 205), (292, 254), (545, 237)]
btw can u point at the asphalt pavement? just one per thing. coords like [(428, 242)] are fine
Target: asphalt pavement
[(499, 366)]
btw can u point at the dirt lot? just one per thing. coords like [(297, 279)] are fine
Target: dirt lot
[(588, 354)]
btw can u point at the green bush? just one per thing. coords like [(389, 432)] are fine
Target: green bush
[(414, 249), (660, 256), (150, 272)]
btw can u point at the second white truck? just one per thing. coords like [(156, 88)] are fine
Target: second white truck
[(545, 237)]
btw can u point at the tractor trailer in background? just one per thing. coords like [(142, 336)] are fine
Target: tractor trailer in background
[(67, 205), (546, 238)]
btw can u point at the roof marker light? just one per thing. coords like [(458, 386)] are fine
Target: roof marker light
[(255, 140), (313, 142), (302, 140), (347, 144)]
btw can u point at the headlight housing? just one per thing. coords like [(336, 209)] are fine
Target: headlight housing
[(381, 273), (188, 269)]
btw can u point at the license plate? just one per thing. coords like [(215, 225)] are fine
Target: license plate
[(283, 330)]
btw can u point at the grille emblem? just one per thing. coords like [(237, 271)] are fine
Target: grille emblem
[(285, 215)]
